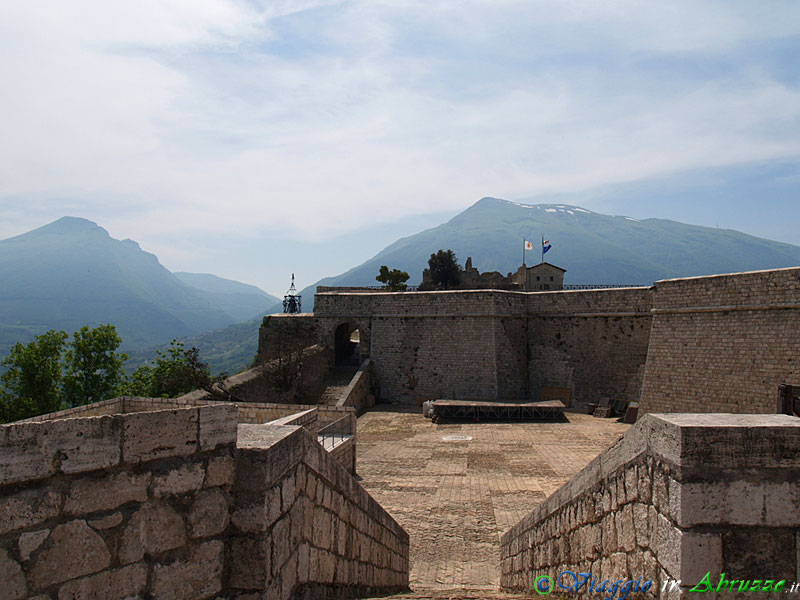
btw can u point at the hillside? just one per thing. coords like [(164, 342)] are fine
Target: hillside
[(71, 273), (239, 300)]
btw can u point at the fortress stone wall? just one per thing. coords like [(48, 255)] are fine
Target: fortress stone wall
[(721, 343), (489, 344)]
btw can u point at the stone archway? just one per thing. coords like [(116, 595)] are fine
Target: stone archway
[(347, 345)]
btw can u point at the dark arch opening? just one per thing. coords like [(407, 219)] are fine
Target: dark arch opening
[(347, 345)]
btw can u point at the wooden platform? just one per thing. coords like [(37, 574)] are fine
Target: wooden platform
[(475, 410)]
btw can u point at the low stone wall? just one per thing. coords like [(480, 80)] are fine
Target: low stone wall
[(358, 393), (304, 528), (186, 503), (679, 496), (117, 506), (105, 407), (306, 418)]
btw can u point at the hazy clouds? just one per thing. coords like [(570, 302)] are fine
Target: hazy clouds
[(225, 118)]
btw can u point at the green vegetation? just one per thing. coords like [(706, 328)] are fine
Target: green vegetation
[(395, 279), (51, 373), (93, 367), (31, 385), (444, 269), (176, 372)]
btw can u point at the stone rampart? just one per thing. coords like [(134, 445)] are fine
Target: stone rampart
[(493, 345), (594, 342), (723, 343), (186, 503), (680, 495)]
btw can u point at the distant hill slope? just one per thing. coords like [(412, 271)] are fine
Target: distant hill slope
[(592, 247), (240, 300), (71, 273)]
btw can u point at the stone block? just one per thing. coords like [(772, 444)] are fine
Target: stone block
[(127, 582), (30, 451), (668, 550), (198, 576), (250, 563), (734, 503), (186, 478), (782, 504), (159, 434), (94, 494), (27, 509), (74, 551), (700, 553), (220, 471), (29, 542), (209, 514), (641, 524), (11, 578), (750, 552), (218, 426), (151, 530), (108, 522)]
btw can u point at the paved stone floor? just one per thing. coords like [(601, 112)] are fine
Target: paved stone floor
[(456, 496)]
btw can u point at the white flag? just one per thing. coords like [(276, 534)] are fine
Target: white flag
[(528, 245)]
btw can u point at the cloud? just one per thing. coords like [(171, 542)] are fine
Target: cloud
[(310, 119)]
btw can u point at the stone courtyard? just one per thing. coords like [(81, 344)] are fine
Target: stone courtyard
[(457, 487)]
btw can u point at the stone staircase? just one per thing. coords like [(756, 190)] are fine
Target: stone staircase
[(335, 384)]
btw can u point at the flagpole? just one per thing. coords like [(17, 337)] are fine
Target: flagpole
[(523, 252), (542, 248)]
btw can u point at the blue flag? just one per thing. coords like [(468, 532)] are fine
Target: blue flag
[(546, 245)]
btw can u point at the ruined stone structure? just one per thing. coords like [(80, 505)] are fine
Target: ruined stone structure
[(541, 277), (720, 343)]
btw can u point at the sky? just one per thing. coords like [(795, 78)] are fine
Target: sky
[(252, 140)]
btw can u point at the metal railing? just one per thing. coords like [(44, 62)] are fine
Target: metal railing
[(334, 434), (359, 288)]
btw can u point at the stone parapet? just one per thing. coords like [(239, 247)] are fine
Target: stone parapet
[(132, 505), (679, 496), (186, 504), (303, 527)]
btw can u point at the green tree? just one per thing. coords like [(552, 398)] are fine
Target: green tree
[(31, 384), (94, 367), (179, 371), (395, 279), (444, 269)]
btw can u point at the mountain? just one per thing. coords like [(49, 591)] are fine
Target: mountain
[(592, 247), (240, 300), (71, 273)]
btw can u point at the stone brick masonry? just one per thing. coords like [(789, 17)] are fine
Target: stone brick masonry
[(185, 503), (680, 495)]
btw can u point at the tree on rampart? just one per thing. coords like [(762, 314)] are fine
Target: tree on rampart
[(444, 270), (395, 279)]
